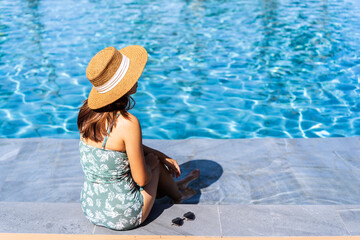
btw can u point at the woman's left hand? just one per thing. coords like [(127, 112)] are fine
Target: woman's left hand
[(172, 166)]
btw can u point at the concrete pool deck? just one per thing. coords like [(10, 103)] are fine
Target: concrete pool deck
[(247, 187)]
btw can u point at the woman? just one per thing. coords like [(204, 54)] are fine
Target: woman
[(122, 176)]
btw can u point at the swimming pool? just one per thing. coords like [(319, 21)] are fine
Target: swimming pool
[(216, 69)]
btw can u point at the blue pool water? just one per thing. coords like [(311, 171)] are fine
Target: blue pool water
[(216, 69)]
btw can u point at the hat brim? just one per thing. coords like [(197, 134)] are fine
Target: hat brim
[(138, 58)]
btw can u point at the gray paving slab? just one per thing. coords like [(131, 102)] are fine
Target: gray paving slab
[(279, 171), (307, 220), (351, 218), (233, 171), (245, 220), (281, 220), (346, 207), (9, 151), (159, 223), (211, 220), (57, 218), (322, 144)]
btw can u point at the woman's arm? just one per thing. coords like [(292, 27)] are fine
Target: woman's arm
[(170, 163), (140, 171), (148, 150)]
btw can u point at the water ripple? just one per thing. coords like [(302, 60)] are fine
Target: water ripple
[(216, 69)]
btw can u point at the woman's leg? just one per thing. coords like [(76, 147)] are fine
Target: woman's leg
[(162, 183), (167, 185), (176, 190), (149, 193)]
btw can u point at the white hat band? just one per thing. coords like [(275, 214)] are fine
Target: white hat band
[(120, 73)]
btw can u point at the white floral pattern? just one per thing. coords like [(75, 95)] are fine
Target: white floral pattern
[(109, 197)]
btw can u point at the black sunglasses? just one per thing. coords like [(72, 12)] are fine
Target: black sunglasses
[(180, 221)]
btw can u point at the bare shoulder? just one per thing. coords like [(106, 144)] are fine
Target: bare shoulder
[(129, 120), (129, 123), (125, 128)]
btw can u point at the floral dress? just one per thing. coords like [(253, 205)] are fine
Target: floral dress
[(110, 197)]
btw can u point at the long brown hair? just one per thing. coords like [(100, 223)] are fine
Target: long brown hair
[(92, 123)]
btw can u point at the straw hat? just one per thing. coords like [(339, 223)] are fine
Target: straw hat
[(113, 73)]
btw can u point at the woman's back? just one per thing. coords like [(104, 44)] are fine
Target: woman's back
[(110, 197), (115, 139)]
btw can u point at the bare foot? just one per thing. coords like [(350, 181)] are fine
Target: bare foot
[(186, 194), (183, 183)]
